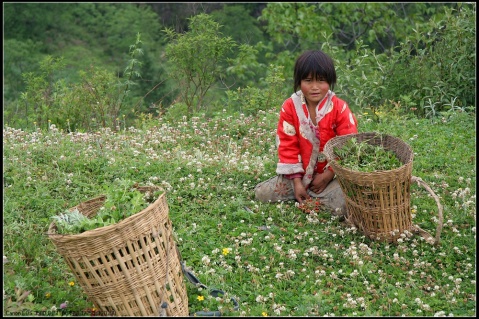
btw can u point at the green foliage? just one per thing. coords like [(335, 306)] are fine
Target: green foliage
[(381, 26), (292, 28), (236, 21), (85, 34), (245, 67), (24, 21), (176, 111), (267, 95), (121, 201), (418, 58), (247, 63), (424, 74), (97, 99), (40, 92), (196, 58), (22, 301), (72, 222), (290, 24), (440, 57), (19, 57), (353, 73), (131, 71), (433, 72), (365, 157), (116, 26), (91, 103)]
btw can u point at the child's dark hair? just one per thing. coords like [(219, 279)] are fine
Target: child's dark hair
[(318, 64)]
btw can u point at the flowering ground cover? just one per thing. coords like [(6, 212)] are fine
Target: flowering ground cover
[(274, 259)]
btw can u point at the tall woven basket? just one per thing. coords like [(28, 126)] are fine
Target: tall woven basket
[(378, 202), (130, 268)]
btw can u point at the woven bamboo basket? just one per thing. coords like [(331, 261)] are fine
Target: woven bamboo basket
[(130, 268), (378, 202)]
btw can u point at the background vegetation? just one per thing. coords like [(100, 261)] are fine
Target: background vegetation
[(413, 55), (97, 92)]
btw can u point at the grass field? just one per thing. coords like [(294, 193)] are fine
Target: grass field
[(273, 259)]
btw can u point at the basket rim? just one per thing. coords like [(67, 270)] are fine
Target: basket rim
[(104, 229), (333, 162)]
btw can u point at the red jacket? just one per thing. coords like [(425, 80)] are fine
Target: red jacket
[(299, 147)]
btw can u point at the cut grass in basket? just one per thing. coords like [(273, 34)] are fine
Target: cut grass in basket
[(365, 157)]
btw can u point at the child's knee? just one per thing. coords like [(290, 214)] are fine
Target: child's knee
[(333, 198)]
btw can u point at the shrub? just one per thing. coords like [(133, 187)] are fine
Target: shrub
[(431, 72), (435, 68), (268, 96), (196, 58), (97, 99)]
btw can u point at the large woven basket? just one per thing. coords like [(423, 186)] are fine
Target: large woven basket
[(130, 268), (378, 202)]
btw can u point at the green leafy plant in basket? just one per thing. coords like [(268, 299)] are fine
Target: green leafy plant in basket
[(122, 201), (365, 157)]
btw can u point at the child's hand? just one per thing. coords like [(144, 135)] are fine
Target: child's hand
[(321, 181), (300, 192)]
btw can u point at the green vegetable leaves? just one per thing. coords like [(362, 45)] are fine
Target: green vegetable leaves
[(122, 201), (365, 157)]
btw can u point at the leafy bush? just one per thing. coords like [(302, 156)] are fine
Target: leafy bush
[(98, 99), (435, 67), (432, 72), (84, 34), (268, 94), (196, 58)]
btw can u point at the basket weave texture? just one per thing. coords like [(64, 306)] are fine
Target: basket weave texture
[(129, 268), (378, 202)]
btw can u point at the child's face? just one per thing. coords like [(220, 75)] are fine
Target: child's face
[(314, 89)]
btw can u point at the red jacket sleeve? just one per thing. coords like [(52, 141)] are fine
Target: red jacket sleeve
[(346, 122), (289, 158)]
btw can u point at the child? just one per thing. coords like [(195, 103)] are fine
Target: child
[(308, 119)]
